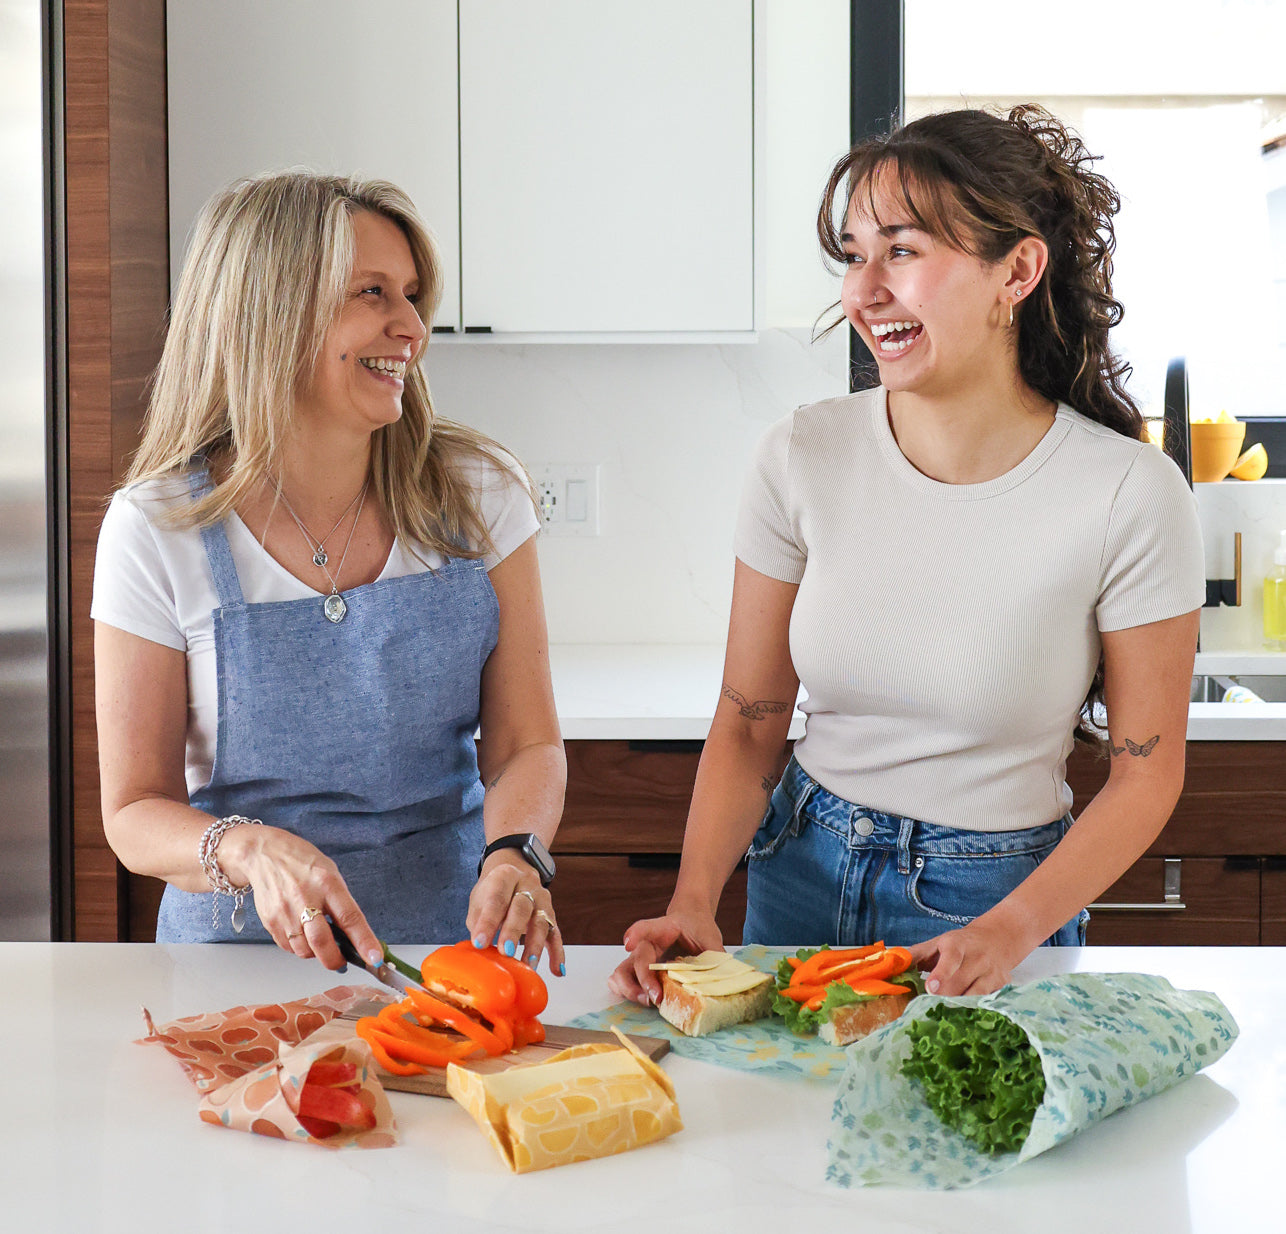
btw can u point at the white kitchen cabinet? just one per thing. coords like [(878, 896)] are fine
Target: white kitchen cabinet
[(587, 165), (607, 165), (328, 84)]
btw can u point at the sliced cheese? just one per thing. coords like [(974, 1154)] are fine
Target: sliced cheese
[(707, 959), (738, 984)]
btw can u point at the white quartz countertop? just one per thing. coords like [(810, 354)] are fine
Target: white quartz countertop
[(638, 692), (102, 1134)]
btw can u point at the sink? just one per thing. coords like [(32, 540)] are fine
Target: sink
[(1210, 688)]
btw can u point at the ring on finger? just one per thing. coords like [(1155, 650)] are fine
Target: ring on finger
[(522, 892), (547, 919), (308, 914), (296, 934)]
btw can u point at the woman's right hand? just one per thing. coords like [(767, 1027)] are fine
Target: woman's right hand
[(290, 875), (647, 941)]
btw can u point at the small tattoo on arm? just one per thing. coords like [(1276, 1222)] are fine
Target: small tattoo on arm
[(500, 775), (758, 710), (767, 784), (1139, 751)]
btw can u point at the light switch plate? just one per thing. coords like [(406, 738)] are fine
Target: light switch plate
[(568, 497)]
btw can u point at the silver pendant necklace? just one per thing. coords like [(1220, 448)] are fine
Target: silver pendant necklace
[(320, 556), (333, 606)]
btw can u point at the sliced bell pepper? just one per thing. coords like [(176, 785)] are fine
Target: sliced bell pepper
[(435, 1009), (469, 976), (335, 1105), (332, 1074), (368, 1031), (811, 969), (532, 993)]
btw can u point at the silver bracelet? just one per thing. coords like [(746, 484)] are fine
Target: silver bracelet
[(207, 852)]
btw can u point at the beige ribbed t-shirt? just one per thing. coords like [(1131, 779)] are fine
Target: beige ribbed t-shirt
[(946, 634)]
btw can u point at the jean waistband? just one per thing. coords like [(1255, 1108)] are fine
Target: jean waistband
[(862, 827)]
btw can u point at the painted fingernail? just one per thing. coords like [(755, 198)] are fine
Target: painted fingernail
[(534, 960), (480, 941), (562, 970), (375, 957), (343, 968), (510, 948)]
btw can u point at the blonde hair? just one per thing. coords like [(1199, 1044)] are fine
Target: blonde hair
[(264, 279)]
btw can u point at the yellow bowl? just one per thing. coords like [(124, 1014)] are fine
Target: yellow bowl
[(1215, 448)]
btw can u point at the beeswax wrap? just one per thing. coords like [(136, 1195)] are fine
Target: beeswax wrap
[(561, 1111), (765, 1046), (1105, 1041), (249, 1064)]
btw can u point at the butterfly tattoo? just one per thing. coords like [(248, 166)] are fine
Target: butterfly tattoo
[(1142, 751), (757, 710)]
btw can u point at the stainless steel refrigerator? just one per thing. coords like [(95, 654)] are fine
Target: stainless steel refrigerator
[(27, 497)]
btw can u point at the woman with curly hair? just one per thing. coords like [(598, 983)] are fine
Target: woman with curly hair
[(964, 567), (309, 595)]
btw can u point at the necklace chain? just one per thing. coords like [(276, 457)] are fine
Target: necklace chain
[(334, 606), (320, 556)]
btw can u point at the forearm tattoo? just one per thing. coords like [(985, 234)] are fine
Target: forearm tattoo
[(759, 710), (1133, 747), (767, 783)]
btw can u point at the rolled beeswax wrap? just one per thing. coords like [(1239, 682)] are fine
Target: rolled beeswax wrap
[(1105, 1040), (588, 1101), (250, 1062)]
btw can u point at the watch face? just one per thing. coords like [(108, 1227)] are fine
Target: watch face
[(535, 851)]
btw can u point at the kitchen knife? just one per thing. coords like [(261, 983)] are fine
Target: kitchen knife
[(387, 972)]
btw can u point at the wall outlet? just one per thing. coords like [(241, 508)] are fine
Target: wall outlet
[(568, 497)]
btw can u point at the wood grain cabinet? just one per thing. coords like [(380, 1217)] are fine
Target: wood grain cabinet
[(1215, 876)]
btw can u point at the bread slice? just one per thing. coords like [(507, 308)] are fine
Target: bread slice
[(855, 1020), (695, 1014)]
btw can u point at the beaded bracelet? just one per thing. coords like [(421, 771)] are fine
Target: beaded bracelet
[(214, 872)]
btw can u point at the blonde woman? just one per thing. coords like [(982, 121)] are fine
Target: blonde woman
[(309, 595)]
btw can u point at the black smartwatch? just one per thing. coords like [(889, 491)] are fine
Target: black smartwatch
[(533, 851)]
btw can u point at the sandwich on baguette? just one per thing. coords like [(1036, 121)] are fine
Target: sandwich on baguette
[(702, 994), (843, 994)]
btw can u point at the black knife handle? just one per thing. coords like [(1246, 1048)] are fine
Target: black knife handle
[(345, 945)]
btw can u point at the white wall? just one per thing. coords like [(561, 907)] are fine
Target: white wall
[(672, 426)]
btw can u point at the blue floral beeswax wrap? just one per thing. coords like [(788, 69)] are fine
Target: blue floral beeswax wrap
[(1105, 1041), (766, 1046)]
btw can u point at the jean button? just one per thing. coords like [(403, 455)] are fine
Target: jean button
[(863, 826)]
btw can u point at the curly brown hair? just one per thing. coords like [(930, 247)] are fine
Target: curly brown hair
[(981, 182)]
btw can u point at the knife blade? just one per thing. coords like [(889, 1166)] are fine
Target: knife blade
[(383, 972)]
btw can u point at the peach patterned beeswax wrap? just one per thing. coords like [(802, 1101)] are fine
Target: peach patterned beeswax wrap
[(588, 1101), (250, 1063)]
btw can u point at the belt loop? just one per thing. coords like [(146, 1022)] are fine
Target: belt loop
[(905, 831)]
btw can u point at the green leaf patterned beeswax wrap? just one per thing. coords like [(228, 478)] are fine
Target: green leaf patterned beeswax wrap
[(1104, 1041)]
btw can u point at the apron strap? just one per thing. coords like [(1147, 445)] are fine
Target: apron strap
[(217, 549)]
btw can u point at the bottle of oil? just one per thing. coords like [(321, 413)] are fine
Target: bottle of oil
[(1275, 600)]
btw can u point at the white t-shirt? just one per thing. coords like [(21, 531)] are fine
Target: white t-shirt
[(947, 634), (153, 580)]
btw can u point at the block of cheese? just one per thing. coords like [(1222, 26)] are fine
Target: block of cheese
[(702, 994)]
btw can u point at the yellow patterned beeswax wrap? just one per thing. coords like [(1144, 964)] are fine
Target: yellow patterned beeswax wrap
[(588, 1101)]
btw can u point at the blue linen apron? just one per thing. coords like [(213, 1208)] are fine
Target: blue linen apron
[(357, 736)]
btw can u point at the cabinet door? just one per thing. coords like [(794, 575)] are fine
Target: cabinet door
[(364, 89), (1220, 901), (1273, 922), (606, 156)]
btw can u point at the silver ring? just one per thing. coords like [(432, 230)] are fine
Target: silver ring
[(521, 892), (308, 914)]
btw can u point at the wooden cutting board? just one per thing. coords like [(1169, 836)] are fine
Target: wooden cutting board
[(434, 1082)]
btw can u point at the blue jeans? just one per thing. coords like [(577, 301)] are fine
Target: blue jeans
[(823, 870)]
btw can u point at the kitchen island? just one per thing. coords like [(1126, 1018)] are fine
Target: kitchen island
[(103, 1135)]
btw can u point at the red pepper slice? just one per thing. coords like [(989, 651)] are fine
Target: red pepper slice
[(368, 1031), (332, 1074), (435, 1009), (336, 1105), (810, 970)]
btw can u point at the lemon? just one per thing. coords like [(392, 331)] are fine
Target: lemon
[(1252, 465)]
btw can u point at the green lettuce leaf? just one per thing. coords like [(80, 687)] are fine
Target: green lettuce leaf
[(801, 1021), (979, 1074)]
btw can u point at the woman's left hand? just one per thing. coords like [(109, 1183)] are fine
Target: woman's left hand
[(507, 905), (975, 959)]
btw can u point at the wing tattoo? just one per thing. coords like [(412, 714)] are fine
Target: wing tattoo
[(1141, 751)]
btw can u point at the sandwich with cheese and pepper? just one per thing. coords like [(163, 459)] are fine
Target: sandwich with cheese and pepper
[(845, 993), (702, 994)]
